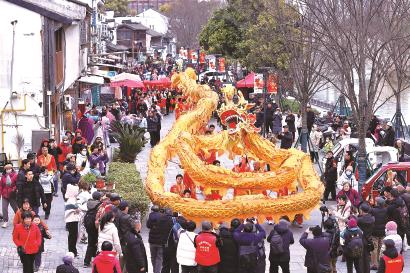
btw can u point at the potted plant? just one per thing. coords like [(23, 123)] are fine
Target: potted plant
[(91, 179)]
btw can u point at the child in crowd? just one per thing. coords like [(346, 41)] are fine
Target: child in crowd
[(45, 234)]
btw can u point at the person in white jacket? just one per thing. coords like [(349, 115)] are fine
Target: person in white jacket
[(82, 200), (72, 217), (391, 233), (82, 163), (46, 180), (186, 248), (108, 232), (342, 213), (347, 176)]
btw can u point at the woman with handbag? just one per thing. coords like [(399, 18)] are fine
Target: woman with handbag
[(27, 238), (8, 190)]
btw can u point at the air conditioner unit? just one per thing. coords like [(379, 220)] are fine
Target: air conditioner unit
[(68, 102)]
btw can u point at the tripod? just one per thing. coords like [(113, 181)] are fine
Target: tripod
[(341, 107), (400, 125)]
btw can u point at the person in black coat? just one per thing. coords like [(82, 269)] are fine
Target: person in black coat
[(67, 266), (155, 239), (71, 176), (153, 124), (310, 118), (33, 166), (379, 213), (330, 176), (33, 191), (317, 249), (365, 222), (286, 138), (394, 202), (390, 135), (333, 233), (290, 121), (136, 255), (229, 250), (282, 260)]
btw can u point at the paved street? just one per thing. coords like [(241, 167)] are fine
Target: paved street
[(57, 246)]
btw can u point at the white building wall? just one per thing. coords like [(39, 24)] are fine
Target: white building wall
[(28, 74), (72, 56)]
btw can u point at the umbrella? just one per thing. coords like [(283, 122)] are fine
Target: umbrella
[(163, 82), (247, 82), (126, 76), (128, 83)]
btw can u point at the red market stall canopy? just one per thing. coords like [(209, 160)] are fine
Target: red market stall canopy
[(126, 76), (128, 83), (247, 82), (161, 83)]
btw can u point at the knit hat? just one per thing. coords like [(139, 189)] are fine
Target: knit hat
[(391, 225), (352, 223), (365, 207), (68, 258), (96, 195)]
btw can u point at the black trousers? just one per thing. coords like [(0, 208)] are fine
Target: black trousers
[(49, 199), (28, 262), (330, 188), (366, 262), (274, 267), (189, 269), (91, 245), (357, 265), (72, 228), (169, 261)]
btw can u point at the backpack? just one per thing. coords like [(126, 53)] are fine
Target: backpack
[(248, 257), (89, 218), (175, 232), (354, 249), (404, 216), (276, 244)]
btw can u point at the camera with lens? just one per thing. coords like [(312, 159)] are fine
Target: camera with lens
[(324, 209)]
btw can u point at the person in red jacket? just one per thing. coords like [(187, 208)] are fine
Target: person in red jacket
[(8, 192), (78, 133), (106, 262), (207, 245), (47, 160), (27, 238), (66, 149), (391, 261)]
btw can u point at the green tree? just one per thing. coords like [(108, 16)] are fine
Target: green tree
[(120, 7)]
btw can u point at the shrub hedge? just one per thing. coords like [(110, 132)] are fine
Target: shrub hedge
[(129, 185)]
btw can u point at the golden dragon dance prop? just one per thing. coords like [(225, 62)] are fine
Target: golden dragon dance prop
[(288, 168)]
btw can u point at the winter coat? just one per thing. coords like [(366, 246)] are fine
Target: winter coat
[(392, 235), (66, 268), (79, 162), (69, 178), (110, 234), (392, 254), (28, 238), (124, 224), (153, 123), (136, 254), (7, 189), (228, 251), (65, 150), (315, 137), (33, 191), (71, 209), (287, 238), (310, 118), (186, 248), (165, 224), (380, 220), (366, 224), (393, 213), (82, 200), (106, 262), (21, 179), (277, 123), (247, 238), (18, 218), (154, 235), (389, 137), (346, 235), (352, 181), (47, 182), (317, 250), (286, 140), (100, 160), (330, 173), (352, 195), (290, 121), (342, 213)]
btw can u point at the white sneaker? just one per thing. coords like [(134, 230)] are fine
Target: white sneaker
[(4, 225)]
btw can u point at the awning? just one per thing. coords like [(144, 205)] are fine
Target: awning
[(128, 83), (247, 82), (126, 76), (92, 79), (161, 83)]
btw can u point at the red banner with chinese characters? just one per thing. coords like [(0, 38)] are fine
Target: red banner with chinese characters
[(221, 65), (190, 54), (272, 83)]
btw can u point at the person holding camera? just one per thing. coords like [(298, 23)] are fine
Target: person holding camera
[(317, 250), (365, 222), (280, 238), (333, 233), (27, 238)]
